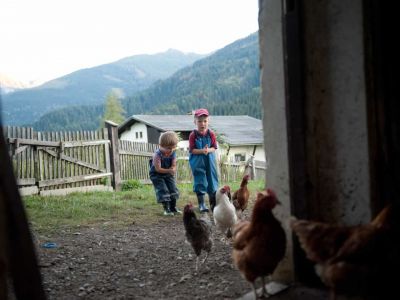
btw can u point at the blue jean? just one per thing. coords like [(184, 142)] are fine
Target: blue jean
[(165, 187), (205, 174)]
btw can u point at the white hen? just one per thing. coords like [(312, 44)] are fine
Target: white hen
[(224, 212)]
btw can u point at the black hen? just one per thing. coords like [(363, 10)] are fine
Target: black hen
[(198, 233)]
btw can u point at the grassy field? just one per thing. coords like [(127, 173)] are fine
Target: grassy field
[(138, 205)]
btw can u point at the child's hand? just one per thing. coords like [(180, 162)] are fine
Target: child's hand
[(172, 171), (205, 149)]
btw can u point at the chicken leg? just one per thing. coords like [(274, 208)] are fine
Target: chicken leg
[(197, 263), (264, 292), (205, 258)]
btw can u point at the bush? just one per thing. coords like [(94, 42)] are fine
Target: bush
[(105, 181), (131, 184)]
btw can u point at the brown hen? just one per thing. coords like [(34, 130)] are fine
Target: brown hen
[(354, 260), (240, 198), (259, 245)]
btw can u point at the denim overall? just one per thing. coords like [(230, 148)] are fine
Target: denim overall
[(204, 167), (164, 184)]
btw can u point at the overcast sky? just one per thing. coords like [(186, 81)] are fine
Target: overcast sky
[(45, 39)]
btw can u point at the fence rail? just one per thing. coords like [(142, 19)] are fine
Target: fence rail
[(60, 162)]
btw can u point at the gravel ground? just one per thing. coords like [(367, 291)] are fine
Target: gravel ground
[(135, 262)]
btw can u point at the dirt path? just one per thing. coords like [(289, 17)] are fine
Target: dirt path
[(136, 262)]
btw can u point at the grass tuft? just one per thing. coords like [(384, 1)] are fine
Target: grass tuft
[(139, 205)]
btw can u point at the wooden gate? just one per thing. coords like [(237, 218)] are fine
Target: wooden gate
[(59, 162)]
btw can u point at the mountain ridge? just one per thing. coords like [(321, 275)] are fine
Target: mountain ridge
[(130, 74), (227, 82), (8, 84)]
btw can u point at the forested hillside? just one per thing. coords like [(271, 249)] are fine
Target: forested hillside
[(226, 82), (72, 118), (90, 86)]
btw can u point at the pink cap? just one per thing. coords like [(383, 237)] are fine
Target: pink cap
[(201, 112)]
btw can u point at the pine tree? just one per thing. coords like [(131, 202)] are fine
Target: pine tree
[(113, 109)]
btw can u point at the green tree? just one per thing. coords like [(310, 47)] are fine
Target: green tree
[(113, 109)]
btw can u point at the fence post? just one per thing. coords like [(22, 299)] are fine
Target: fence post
[(253, 168), (112, 129), (251, 164)]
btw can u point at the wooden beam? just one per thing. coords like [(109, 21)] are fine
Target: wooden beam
[(71, 144), (28, 190), (112, 129), (32, 142), (293, 49), (82, 189), (126, 152), (19, 149), (72, 160), (58, 181), (26, 181)]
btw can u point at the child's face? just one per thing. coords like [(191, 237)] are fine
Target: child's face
[(202, 123), (167, 150)]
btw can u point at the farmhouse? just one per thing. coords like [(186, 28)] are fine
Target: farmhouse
[(239, 137)]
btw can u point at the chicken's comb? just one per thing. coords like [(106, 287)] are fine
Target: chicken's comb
[(227, 188), (271, 192), (189, 204)]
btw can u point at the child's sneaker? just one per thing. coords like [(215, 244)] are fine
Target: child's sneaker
[(172, 206), (167, 210), (176, 211), (168, 213)]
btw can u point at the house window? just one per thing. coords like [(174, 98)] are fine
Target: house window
[(137, 134), (141, 135), (240, 157)]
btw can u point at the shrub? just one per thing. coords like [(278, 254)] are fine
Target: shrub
[(105, 181), (131, 184)]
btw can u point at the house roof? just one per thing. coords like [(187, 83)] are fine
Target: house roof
[(235, 130)]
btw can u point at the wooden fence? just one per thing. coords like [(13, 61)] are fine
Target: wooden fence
[(52, 163), (134, 161), (56, 162)]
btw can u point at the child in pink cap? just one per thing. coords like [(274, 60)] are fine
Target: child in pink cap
[(202, 146)]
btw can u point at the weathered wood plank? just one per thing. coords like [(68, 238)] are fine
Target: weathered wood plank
[(114, 154), (74, 160), (32, 142), (127, 152), (22, 157), (28, 190), (72, 179), (72, 144), (82, 189), (26, 181)]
